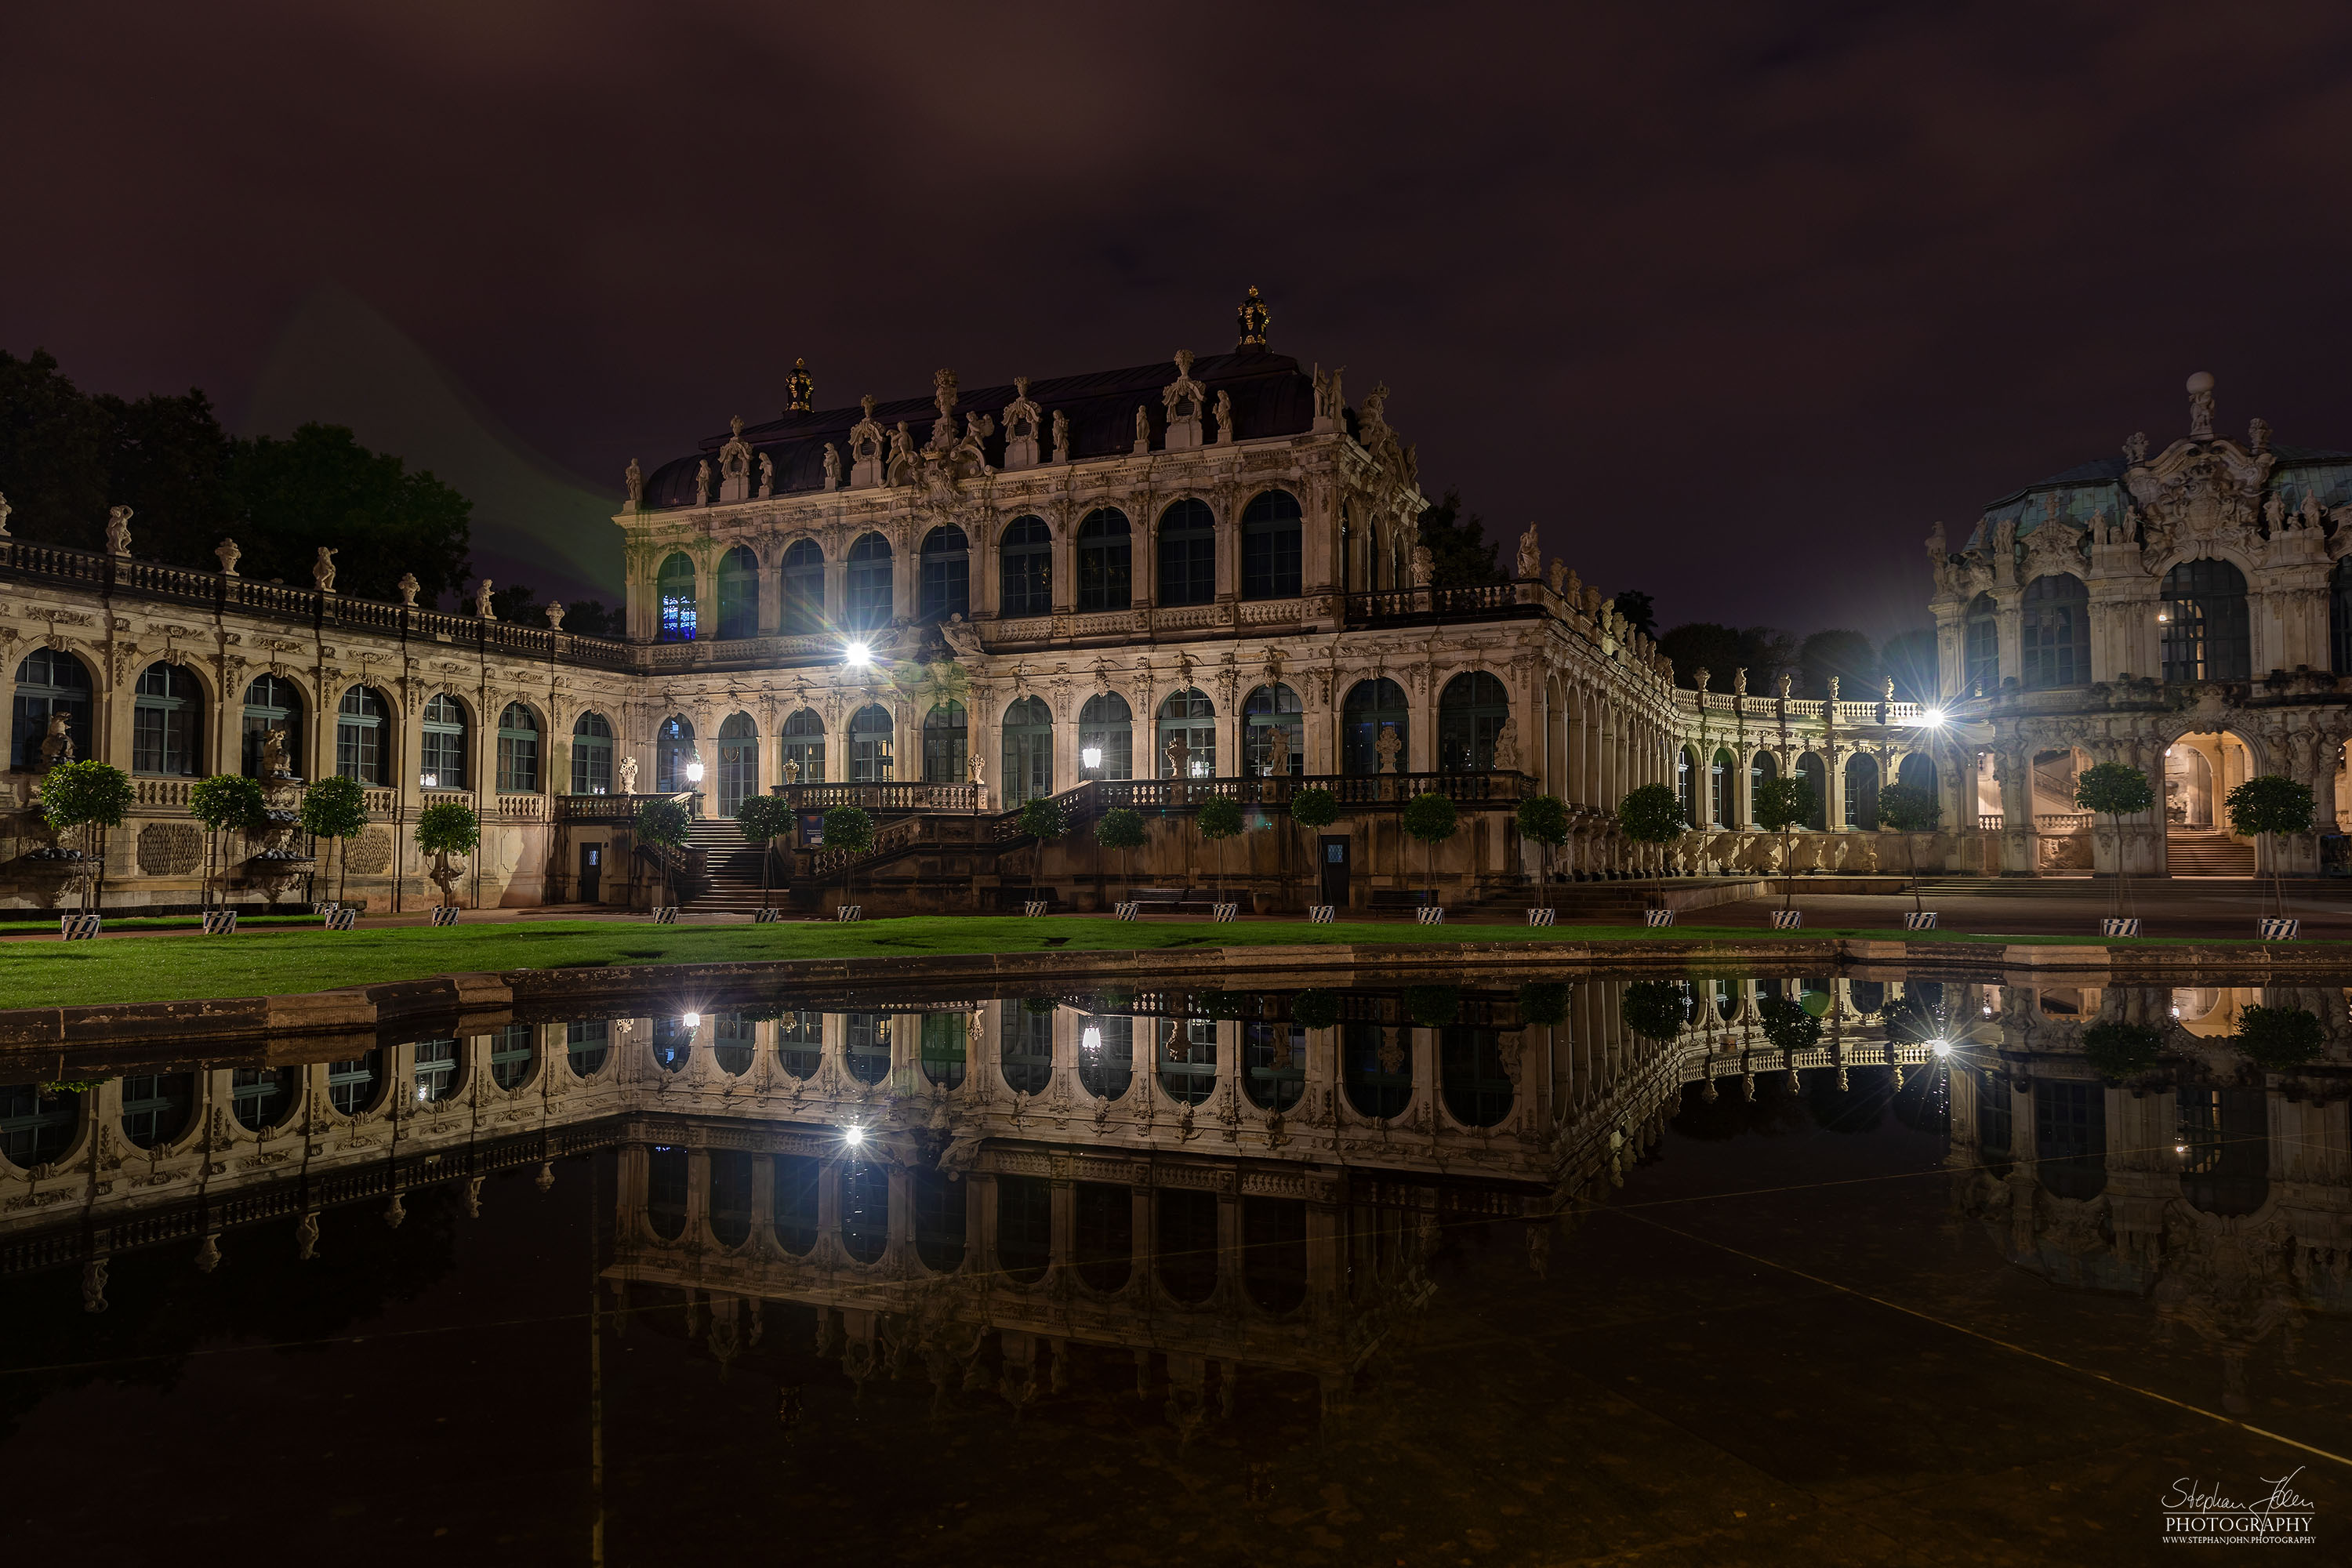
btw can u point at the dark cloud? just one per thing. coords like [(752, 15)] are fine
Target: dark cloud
[(1735, 298)]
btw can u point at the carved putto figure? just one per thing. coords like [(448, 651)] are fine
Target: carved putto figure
[(408, 587), (229, 554), (1531, 562), (118, 530), (635, 478), (1559, 575), (1184, 397), (57, 746), (1424, 566), (943, 398), (2135, 449), (1277, 751), (2200, 406), (702, 482), (1179, 757), (629, 772), (902, 449), (1506, 747), (2258, 437), (865, 442), (322, 571), (1739, 681), (1788, 685), (273, 754), (482, 602)]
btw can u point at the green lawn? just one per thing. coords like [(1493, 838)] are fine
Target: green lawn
[(170, 967)]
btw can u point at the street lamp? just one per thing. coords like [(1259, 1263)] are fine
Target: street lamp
[(1089, 759), (1933, 718), (857, 655), (694, 770), (853, 1136)]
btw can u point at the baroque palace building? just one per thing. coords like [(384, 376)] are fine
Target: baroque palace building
[(1135, 587)]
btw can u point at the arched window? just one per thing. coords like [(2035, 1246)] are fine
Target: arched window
[(1025, 568), (869, 607), (865, 1210), (518, 751), (272, 703), (591, 756), (1270, 547), (666, 1184), (796, 1199), (739, 762), (2339, 617), (1762, 769), (1980, 662), (2204, 623), (1472, 1078), (730, 1197), (1274, 1064), (2054, 631), (673, 1044), (673, 751), (514, 1050), (1187, 715), (1025, 1048), (1722, 789), (803, 589), (1372, 706), (1686, 782), (1861, 791), (1273, 1254), (165, 706), (1471, 711), (1028, 750), (1814, 775), (674, 590), (48, 681), (1267, 709), (1025, 1227), (947, 732), (1188, 553), (2224, 1141), (1918, 772), (1376, 1068), (441, 754), (944, 1053), (260, 1096), (871, 746), (1188, 1063), (944, 585), (2070, 1136), (588, 1042), (1105, 1235), (805, 748), (352, 1084), (1107, 724), (156, 1107), (800, 1042), (364, 736), (38, 1128), (940, 1221), (1107, 1055), (734, 1040), (1106, 562), (1187, 1246), (739, 594)]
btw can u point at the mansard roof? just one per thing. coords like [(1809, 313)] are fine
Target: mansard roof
[(1271, 396), (2088, 489)]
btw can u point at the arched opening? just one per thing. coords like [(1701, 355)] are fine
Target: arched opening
[(364, 736), (592, 754), (871, 746), (1814, 775), (673, 754), (739, 594), (866, 1045), (865, 1211), (587, 1042), (1270, 547), (1107, 725), (800, 1042), (674, 593), (1188, 553), (260, 1096), (1762, 769), (272, 704), (944, 1055), (795, 1202), (1917, 771), (666, 1182), (734, 1042), (1471, 1077), (1274, 1253), (353, 1084), (2339, 617), (2224, 1138), (947, 733), (803, 589), (436, 1063), (804, 747), (442, 745), (1376, 1069), (1190, 718), (1471, 711), (730, 1197), (1107, 1055), (156, 1107), (166, 713), (514, 1051), (939, 1222), (1025, 1227), (518, 751), (1686, 783), (50, 682), (1371, 707), (1106, 562), (1980, 649), (1025, 555), (1104, 1245), (2070, 1136), (739, 762), (1266, 711), (1024, 1037), (1723, 789), (1274, 1064), (1188, 1244), (2054, 633), (2199, 771), (943, 583), (870, 606), (1188, 1061), (2204, 623), (1861, 791), (1028, 733)]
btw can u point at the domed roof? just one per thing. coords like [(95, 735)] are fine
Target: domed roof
[(2090, 489)]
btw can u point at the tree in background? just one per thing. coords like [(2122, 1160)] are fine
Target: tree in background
[(2116, 1049), (1430, 817), (519, 603), (665, 823), (1543, 819), (225, 803), (2277, 1038), (1780, 804), (763, 819), (2117, 790), (1910, 657), (89, 798), (335, 807), (1314, 809), (1121, 828), (1638, 610), (1657, 1009), (2267, 807), (1651, 815), (1909, 809), (1220, 818), (848, 829), (1846, 655), (1722, 651), (1041, 818), (447, 828), (1460, 552), (320, 485)]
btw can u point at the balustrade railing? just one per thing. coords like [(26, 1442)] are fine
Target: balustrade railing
[(164, 794), (2061, 821), (880, 797), (1487, 600), (609, 808), (1990, 821)]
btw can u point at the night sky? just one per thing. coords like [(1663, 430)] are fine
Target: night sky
[(1735, 300)]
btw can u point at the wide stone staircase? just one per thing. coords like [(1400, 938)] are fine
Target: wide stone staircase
[(2195, 852), (733, 867)]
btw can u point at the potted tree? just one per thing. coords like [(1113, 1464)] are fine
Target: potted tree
[(1652, 816), (1430, 817), (2118, 1049), (1121, 828), (2279, 1039), (2268, 807), (444, 828), (848, 829), (763, 819), (1909, 809), (665, 825), (1316, 808), (1543, 819), (1780, 804), (87, 797), (1220, 819), (335, 807), (1042, 820), (224, 802), (2116, 790)]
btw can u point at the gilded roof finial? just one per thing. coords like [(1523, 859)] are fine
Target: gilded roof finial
[(1252, 317), (800, 392)]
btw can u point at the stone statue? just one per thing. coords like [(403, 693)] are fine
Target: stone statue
[(1142, 428), (322, 571), (1061, 436), (702, 482), (902, 445), (1938, 545), (1530, 562), (273, 754), (2200, 406), (555, 613), (792, 770), (1387, 746), (2274, 509), (482, 606), (1424, 566), (2258, 437), (767, 476), (5, 510), (831, 467), (975, 765), (962, 637), (57, 746), (1224, 421), (635, 478), (629, 775), (1739, 681), (2135, 449), (1506, 747), (1788, 685), (1559, 575), (408, 585), (118, 530), (1179, 756), (230, 556), (1834, 689), (1277, 751)]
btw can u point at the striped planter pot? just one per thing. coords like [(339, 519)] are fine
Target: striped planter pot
[(766, 917), (1320, 914), (1225, 912), (1654, 918), (664, 914), (220, 922), (1126, 911), (849, 912), (1430, 915), (77, 928), (1034, 908), (1543, 917), (1788, 920), (2271, 929), (2112, 927), (348, 920), (1919, 920), (445, 914)]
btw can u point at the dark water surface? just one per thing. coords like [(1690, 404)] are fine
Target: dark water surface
[(1374, 1274)]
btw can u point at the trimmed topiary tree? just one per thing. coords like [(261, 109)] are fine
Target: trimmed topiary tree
[(1657, 1009), (1314, 808), (1431, 818), (1220, 818), (2114, 790), (225, 803), (447, 828), (335, 807), (666, 824), (87, 798), (1315, 1009), (1543, 819), (1652, 816), (1041, 818), (1909, 809), (2117, 1050), (763, 819), (1432, 1006), (851, 829), (1543, 1004), (1121, 828), (1790, 1025), (1780, 804), (2277, 1038), (2270, 805)]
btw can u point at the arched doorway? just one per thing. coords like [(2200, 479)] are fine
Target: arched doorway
[(1190, 715), (2199, 771), (1028, 752), (739, 762), (673, 753)]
